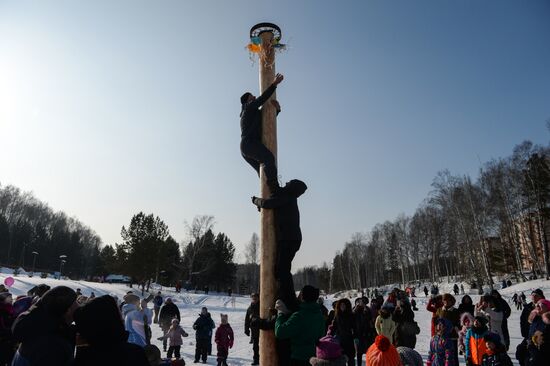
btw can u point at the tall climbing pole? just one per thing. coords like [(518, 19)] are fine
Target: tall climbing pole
[(269, 35)]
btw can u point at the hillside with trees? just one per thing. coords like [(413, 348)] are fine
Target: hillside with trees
[(473, 229)]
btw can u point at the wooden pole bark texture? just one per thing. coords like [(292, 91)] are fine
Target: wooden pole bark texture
[(268, 245)]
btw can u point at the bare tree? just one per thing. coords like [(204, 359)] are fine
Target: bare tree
[(252, 249), (252, 252), (196, 232)]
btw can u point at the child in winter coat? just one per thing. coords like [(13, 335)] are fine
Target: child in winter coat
[(496, 352), (328, 352), (174, 337), (489, 308), (224, 340), (385, 325), (466, 321), (474, 342), (409, 357), (434, 304), (441, 346), (539, 345)]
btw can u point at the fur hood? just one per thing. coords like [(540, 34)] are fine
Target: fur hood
[(464, 316), (340, 361)]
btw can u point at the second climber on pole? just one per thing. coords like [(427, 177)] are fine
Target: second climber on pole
[(252, 148)]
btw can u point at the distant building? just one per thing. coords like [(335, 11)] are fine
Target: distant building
[(530, 239), (115, 278)]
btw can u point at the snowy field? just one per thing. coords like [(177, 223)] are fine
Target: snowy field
[(190, 305)]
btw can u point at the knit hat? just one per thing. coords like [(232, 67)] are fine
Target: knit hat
[(22, 304), (57, 300), (409, 357), (482, 319), (382, 353), (538, 292), (328, 348), (310, 293), (450, 298), (544, 302), (340, 361), (108, 331), (131, 298), (4, 296), (152, 353), (493, 338), (39, 290)]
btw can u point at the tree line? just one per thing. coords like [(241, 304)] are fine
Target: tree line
[(33, 236), (469, 229), (29, 226), (148, 253)]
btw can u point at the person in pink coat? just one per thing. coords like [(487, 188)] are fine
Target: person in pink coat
[(224, 340), (174, 338)]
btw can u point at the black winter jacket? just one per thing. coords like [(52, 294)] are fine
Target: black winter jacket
[(407, 328), (345, 329), (287, 214), (523, 320), (251, 323), (251, 116), (364, 325), (497, 359), (203, 326), (167, 313), (45, 341), (117, 354)]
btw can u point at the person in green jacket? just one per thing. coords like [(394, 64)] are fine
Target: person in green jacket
[(303, 328)]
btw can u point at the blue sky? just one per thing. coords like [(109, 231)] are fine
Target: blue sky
[(108, 108)]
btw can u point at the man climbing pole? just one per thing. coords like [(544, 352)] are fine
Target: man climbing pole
[(252, 148), (288, 234)]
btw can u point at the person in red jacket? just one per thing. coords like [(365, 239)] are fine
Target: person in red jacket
[(224, 340)]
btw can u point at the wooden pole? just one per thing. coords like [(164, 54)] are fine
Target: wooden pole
[(268, 244)]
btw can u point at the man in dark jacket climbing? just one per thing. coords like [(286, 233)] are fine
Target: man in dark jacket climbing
[(203, 326), (252, 148), (288, 234), (251, 326)]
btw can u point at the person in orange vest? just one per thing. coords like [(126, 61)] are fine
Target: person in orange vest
[(474, 341)]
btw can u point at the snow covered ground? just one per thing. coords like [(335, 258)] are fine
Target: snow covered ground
[(190, 305)]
